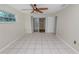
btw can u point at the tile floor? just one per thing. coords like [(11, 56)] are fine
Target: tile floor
[(38, 43)]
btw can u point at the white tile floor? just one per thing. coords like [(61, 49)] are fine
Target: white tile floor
[(38, 43)]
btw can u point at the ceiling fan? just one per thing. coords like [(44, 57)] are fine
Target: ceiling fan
[(35, 8)]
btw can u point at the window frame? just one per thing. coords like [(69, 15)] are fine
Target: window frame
[(7, 17)]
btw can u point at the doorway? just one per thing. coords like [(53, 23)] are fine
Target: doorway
[(38, 24)]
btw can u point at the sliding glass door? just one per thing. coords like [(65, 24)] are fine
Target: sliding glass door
[(38, 24), (42, 24)]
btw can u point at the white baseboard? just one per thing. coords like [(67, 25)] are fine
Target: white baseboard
[(67, 44), (6, 46)]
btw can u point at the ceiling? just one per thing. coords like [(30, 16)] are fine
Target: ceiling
[(52, 8)]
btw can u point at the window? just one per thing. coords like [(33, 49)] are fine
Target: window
[(7, 17)]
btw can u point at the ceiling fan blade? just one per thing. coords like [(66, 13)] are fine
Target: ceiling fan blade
[(32, 6), (43, 8), (37, 10), (40, 11), (32, 11)]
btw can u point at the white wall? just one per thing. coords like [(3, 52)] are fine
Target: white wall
[(28, 24), (50, 25), (11, 31), (68, 25)]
